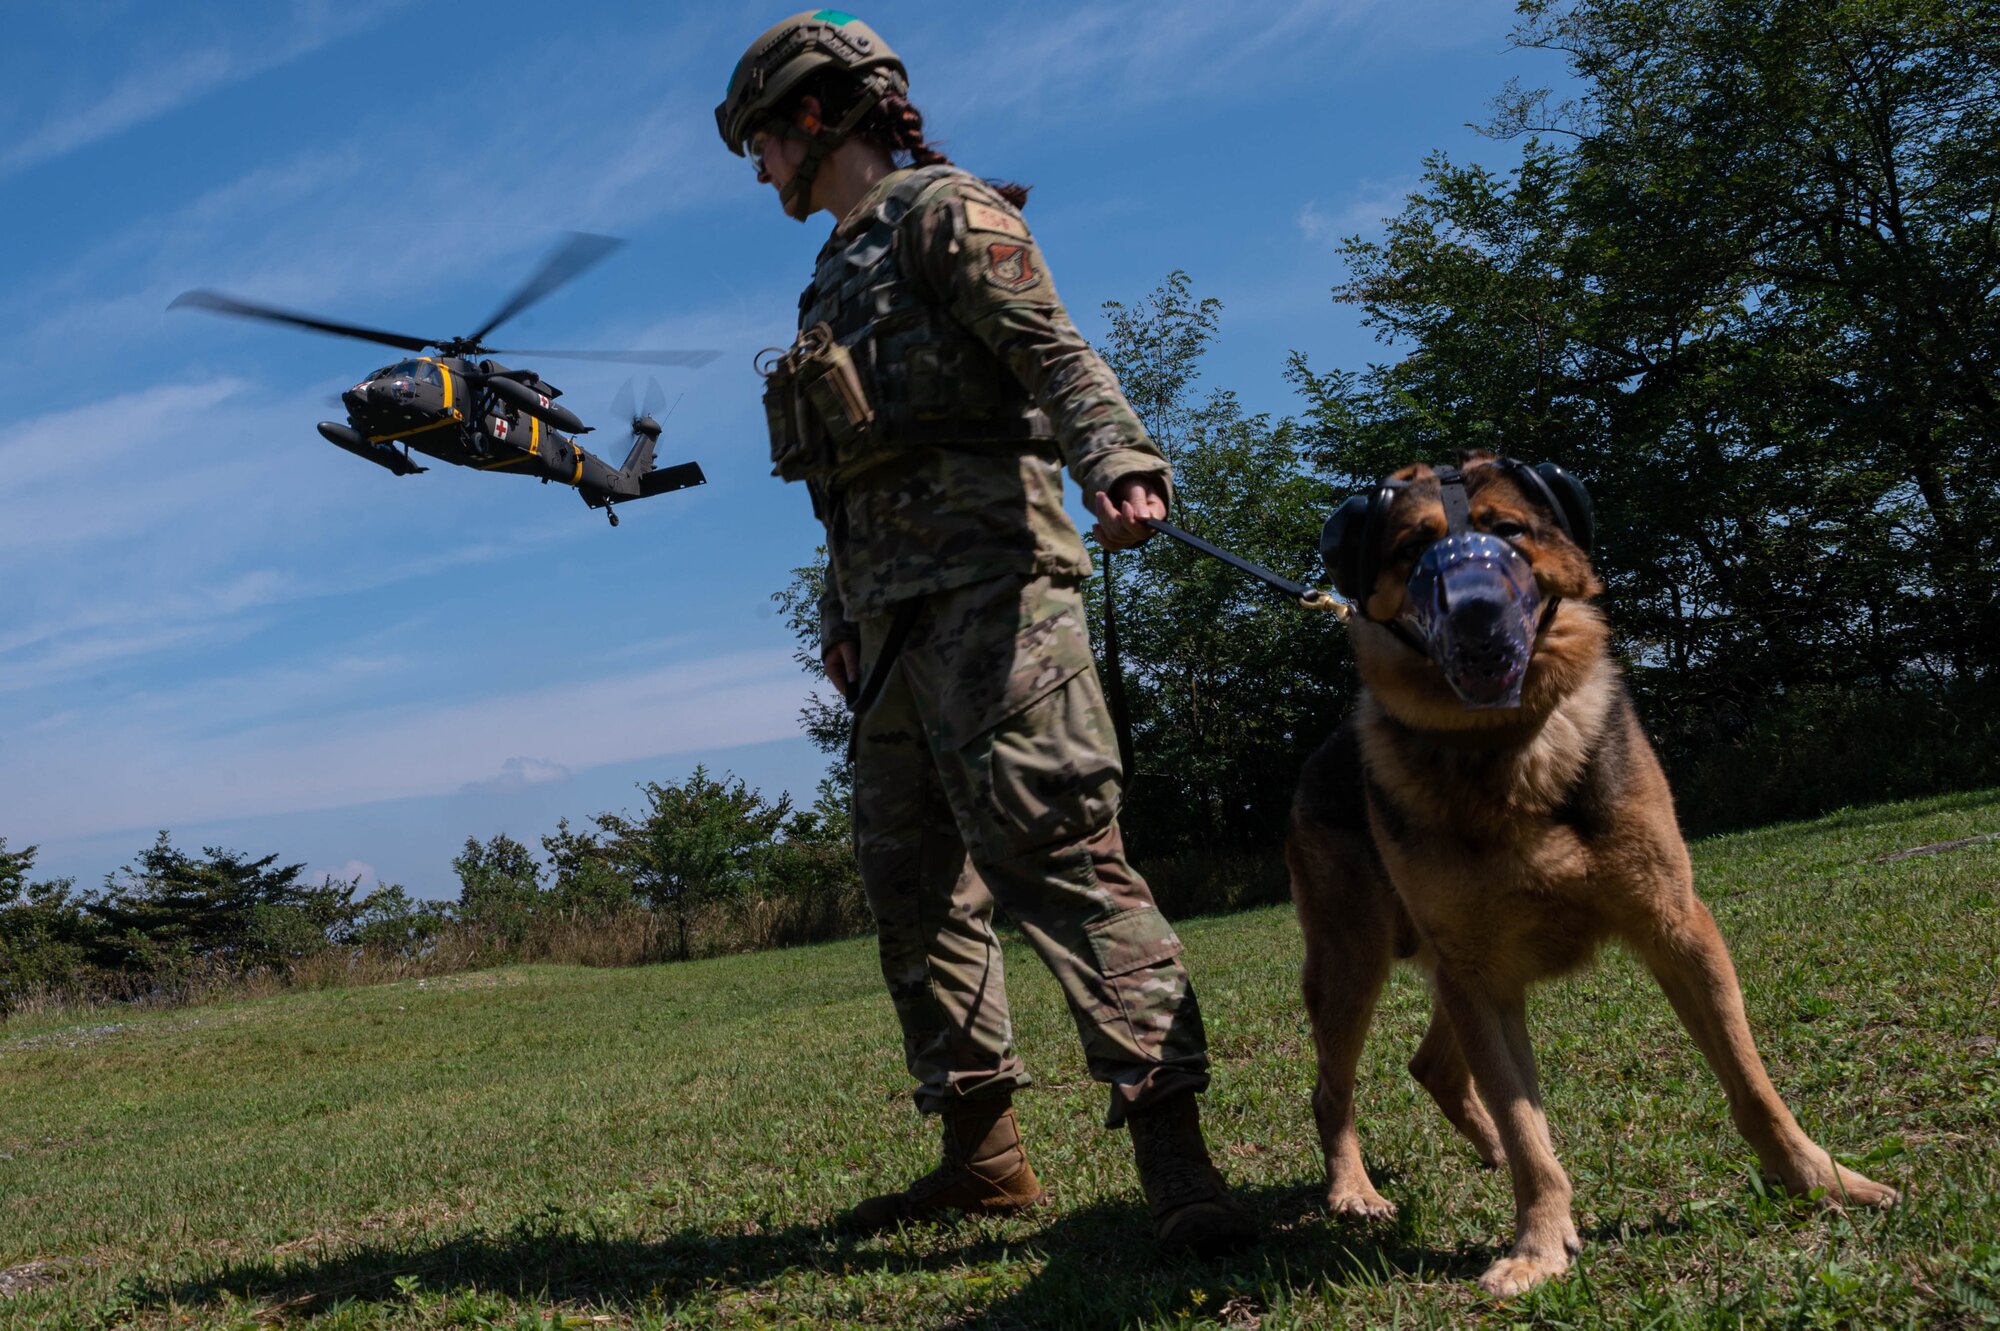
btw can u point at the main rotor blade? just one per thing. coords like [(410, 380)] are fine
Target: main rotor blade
[(690, 358), (221, 304), (570, 258)]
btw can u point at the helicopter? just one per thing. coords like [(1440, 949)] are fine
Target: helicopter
[(463, 407)]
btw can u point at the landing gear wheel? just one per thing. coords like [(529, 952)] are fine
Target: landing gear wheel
[(613, 515)]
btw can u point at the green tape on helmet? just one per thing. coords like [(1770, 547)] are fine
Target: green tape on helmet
[(834, 16)]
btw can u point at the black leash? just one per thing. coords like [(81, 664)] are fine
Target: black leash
[(1114, 672), (1312, 598), (870, 689), (885, 659)]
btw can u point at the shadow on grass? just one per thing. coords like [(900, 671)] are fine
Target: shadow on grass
[(1096, 1265), (1853, 818)]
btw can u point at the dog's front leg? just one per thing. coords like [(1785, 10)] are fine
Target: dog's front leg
[(1440, 1069), (1344, 913), (1493, 1034), (1686, 954)]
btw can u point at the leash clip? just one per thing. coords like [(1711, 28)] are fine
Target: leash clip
[(1316, 599)]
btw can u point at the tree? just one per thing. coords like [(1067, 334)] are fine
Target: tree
[(168, 912), (388, 921), (45, 932), (824, 717), (499, 885), (1747, 285), (1229, 686), (583, 882), (695, 843)]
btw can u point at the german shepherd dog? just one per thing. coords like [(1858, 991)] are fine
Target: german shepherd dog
[(1492, 811)]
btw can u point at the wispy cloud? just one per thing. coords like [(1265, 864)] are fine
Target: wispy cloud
[(1361, 213), (179, 538), (327, 229), (147, 765), (1116, 52), (159, 81)]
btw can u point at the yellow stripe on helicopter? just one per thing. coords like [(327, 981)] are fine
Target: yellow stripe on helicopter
[(404, 434), (444, 372)]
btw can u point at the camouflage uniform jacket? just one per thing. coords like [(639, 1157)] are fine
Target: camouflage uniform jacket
[(981, 388)]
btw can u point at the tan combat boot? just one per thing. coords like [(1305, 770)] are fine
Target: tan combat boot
[(1192, 1209), (985, 1171)]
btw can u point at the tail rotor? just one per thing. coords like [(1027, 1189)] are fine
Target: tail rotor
[(622, 409), (655, 407), (645, 426), (644, 419)]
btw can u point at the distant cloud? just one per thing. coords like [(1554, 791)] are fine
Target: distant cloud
[(517, 775), (1372, 203), (354, 871)]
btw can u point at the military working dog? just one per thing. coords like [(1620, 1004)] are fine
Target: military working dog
[(1492, 811)]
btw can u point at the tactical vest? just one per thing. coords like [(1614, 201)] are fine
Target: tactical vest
[(880, 367)]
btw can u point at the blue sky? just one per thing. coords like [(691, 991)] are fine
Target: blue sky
[(215, 622)]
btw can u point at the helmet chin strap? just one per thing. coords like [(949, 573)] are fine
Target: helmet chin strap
[(821, 140)]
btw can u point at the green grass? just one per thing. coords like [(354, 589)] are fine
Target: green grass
[(663, 1145)]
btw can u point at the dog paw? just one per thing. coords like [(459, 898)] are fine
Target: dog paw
[(1515, 1274), (1855, 1190), (1834, 1187), (1361, 1203)]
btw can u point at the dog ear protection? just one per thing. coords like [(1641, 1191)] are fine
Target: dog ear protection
[(1563, 495), (1350, 542), (1354, 529)]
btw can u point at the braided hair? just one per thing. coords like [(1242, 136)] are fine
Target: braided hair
[(895, 123)]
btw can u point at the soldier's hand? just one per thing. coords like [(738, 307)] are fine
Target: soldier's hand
[(843, 666), (1122, 511)]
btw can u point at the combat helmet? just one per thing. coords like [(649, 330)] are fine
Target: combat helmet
[(783, 58)]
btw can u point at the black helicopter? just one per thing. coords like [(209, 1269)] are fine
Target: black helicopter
[(462, 407)]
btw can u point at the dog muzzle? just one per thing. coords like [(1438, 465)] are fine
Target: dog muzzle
[(1473, 606)]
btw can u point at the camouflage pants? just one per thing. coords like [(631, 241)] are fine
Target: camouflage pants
[(987, 772)]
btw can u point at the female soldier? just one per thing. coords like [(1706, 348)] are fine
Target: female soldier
[(936, 388)]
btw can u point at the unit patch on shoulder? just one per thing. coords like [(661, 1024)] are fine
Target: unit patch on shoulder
[(985, 217), (1012, 267)]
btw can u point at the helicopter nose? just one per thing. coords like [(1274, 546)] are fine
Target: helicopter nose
[(355, 398)]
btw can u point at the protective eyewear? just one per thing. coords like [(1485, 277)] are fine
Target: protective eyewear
[(761, 139)]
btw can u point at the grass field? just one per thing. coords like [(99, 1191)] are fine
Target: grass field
[(661, 1146)]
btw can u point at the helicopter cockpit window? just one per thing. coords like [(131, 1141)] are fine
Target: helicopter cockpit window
[(417, 371)]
